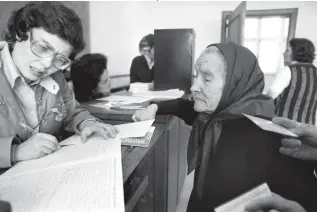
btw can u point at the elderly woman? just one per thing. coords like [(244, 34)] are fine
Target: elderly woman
[(90, 77), (35, 100), (232, 155), (295, 86)]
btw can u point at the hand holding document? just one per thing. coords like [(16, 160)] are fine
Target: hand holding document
[(238, 204), (270, 126)]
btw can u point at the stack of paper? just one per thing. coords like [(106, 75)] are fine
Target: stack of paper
[(168, 94), (123, 102), (84, 177), (140, 87)]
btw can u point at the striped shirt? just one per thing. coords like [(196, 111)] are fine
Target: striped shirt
[(298, 101)]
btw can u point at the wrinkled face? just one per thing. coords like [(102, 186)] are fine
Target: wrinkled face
[(288, 55), (148, 52), (211, 78), (42, 54), (104, 85)]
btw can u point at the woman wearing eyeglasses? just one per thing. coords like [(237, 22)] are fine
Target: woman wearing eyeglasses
[(142, 67), (35, 101)]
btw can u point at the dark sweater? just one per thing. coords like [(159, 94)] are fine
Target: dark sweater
[(246, 156), (140, 71)]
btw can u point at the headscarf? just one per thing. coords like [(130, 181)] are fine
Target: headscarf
[(242, 93)]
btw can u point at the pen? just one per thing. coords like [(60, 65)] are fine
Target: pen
[(28, 128)]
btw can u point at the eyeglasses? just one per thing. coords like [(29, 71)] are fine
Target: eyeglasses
[(44, 50)]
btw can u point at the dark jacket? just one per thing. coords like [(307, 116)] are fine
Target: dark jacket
[(244, 157), (140, 71)]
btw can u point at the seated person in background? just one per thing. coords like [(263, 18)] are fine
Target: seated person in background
[(36, 103), (303, 148), (229, 153), (142, 67), (295, 86), (90, 77)]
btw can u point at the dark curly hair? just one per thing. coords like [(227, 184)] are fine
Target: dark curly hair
[(147, 40), (303, 50), (85, 75), (54, 17)]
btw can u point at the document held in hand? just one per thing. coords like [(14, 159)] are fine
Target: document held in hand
[(238, 204), (75, 178), (270, 126)]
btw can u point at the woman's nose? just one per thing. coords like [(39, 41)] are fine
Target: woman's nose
[(195, 86)]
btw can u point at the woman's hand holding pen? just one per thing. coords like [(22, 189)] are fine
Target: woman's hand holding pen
[(37, 146)]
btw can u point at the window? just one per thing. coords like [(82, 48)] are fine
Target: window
[(267, 37), (266, 33)]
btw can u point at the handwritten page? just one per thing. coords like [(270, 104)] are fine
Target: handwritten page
[(270, 126), (95, 186), (95, 148), (88, 185), (238, 204)]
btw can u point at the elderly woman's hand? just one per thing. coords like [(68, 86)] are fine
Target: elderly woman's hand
[(145, 114), (305, 146), (88, 128), (275, 203)]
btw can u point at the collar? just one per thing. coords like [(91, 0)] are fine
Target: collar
[(13, 75)]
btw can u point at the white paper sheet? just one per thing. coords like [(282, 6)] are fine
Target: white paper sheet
[(168, 94), (135, 129), (238, 204), (270, 126), (85, 185)]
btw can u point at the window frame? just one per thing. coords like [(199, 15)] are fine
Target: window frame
[(290, 13)]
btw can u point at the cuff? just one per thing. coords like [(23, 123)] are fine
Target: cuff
[(73, 124), (5, 151)]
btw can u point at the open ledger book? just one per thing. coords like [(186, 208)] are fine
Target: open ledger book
[(79, 178)]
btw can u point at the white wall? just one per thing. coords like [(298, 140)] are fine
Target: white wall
[(117, 27)]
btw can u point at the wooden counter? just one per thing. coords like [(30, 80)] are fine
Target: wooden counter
[(153, 176)]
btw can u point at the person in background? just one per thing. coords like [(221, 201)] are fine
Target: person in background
[(36, 104), (303, 148), (90, 77), (142, 67), (295, 86), (230, 154)]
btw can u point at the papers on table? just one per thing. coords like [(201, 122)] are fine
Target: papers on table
[(125, 100), (75, 178), (238, 204), (130, 130), (140, 87), (117, 102), (270, 126), (161, 95)]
